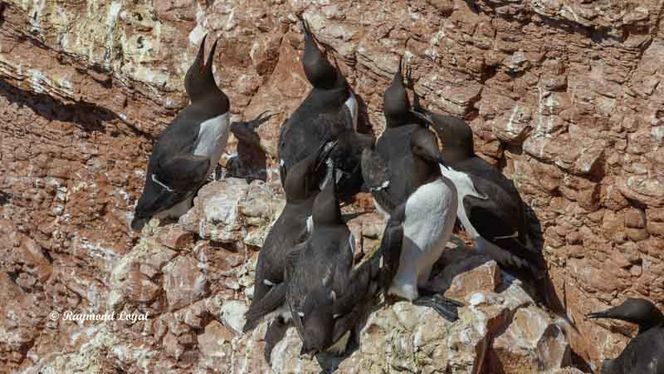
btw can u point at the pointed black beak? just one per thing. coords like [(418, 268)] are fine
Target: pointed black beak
[(210, 59), (260, 119), (200, 55), (423, 116), (398, 76), (596, 315), (305, 26)]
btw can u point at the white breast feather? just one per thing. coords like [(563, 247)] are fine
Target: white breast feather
[(429, 221), (428, 213), (212, 138)]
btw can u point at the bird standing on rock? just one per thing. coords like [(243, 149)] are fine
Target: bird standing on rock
[(490, 207), (328, 295), (428, 213), (188, 150), (290, 229)]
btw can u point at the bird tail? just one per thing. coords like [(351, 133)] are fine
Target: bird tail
[(528, 265), (267, 304), (376, 273)]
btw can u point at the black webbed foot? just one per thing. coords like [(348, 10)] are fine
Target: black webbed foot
[(447, 308), (275, 332), (218, 173)]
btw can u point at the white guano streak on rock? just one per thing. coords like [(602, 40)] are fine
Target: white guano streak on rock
[(196, 35), (35, 15), (36, 80), (510, 122), (111, 20)]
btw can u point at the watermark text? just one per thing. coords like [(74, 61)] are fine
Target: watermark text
[(69, 315)]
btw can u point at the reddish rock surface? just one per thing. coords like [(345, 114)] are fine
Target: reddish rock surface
[(566, 98)]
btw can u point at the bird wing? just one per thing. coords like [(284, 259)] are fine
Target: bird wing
[(477, 166), (183, 172), (321, 117), (496, 218), (276, 296), (377, 178), (259, 308), (643, 354), (376, 273), (292, 263)]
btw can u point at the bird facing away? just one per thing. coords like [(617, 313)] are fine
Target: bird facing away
[(645, 353), (319, 272), (327, 294), (188, 150), (290, 229)]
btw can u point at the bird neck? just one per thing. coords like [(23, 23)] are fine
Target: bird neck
[(454, 153), (656, 320), (215, 100)]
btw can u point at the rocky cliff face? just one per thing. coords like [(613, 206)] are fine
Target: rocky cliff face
[(566, 98), (194, 293)]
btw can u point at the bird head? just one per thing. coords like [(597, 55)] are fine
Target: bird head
[(424, 145), (317, 68), (199, 81), (303, 178), (395, 100), (456, 137), (639, 311), (317, 321)]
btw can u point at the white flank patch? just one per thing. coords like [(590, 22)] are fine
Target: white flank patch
[(464, 187), (351, 243), (310, 224), (177, 210), (383, 186), (212, 138), (351, 104)]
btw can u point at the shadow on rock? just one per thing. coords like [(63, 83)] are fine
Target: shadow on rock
[(250, 162)]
